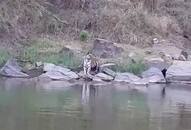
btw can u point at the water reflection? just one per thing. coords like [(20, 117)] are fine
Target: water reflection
[(57, 105), (85, 93)]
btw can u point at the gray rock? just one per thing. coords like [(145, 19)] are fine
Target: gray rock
[(108, 72), (12, 69), (179, 71), (107, 65), (143, 81), (103, 77), (105, 49), (38, 64), (51, 67), (155, 79), (48, 67), (126, 77), (58, 73), (70, 74), (54, 75), (97, 79), (153, 75), (152, 72)]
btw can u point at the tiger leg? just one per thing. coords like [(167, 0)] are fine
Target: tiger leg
[(85, 71), (88, 70)]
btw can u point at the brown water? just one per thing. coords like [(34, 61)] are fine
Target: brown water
[(58, 106)]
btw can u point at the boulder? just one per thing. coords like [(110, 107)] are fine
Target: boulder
[(97, 79), (38, 64), (54, 75), (126, 77), (103, 77), (107, 65), (179, 71), (105, 49), (153, 75), (109, 72), (152, 72), (155, 79), (52, 67), (58, 73), (12, 69)]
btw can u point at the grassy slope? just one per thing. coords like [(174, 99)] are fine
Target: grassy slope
[(23, 24)]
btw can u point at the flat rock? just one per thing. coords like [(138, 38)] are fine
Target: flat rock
[(109, 72), (153, 75), (152, 72), (97, 79), (12, 69), (55, 72), (53, 67), (126, 77), (179, 71), (103, 77), (55, 76)]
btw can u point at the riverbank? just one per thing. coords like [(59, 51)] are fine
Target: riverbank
[(155, 64), (178, 72)]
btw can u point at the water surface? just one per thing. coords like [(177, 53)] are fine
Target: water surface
[(28, 105)]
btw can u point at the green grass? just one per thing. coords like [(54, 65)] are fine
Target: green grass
[(30, 54), (83, 36), (64, 59), (4, 56), (136, 68), (48, 51)]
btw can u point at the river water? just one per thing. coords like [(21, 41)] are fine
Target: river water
[(61, 106)]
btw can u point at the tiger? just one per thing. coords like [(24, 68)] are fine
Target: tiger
[(91, 64)]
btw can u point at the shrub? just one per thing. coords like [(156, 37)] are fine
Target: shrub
[(133, 67), (4, 56), (83, 36), (62, 59), (49, 51), (30, 54)]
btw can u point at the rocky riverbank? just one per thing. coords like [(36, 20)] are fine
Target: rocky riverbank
[(164, 62), (179, 71)]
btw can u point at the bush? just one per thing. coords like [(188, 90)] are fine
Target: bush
[(4, 56), (49, 51), (30, 54), (83, 36), (132, 67), (62, 59)]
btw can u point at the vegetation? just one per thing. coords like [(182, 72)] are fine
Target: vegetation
[(4, 56), (83, 35), (134, 22), (47, 51), (62, 59), (133, 67)]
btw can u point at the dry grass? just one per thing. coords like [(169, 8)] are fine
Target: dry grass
[(122, 21)]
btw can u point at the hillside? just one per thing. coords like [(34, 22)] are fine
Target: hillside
[(132, 22)]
